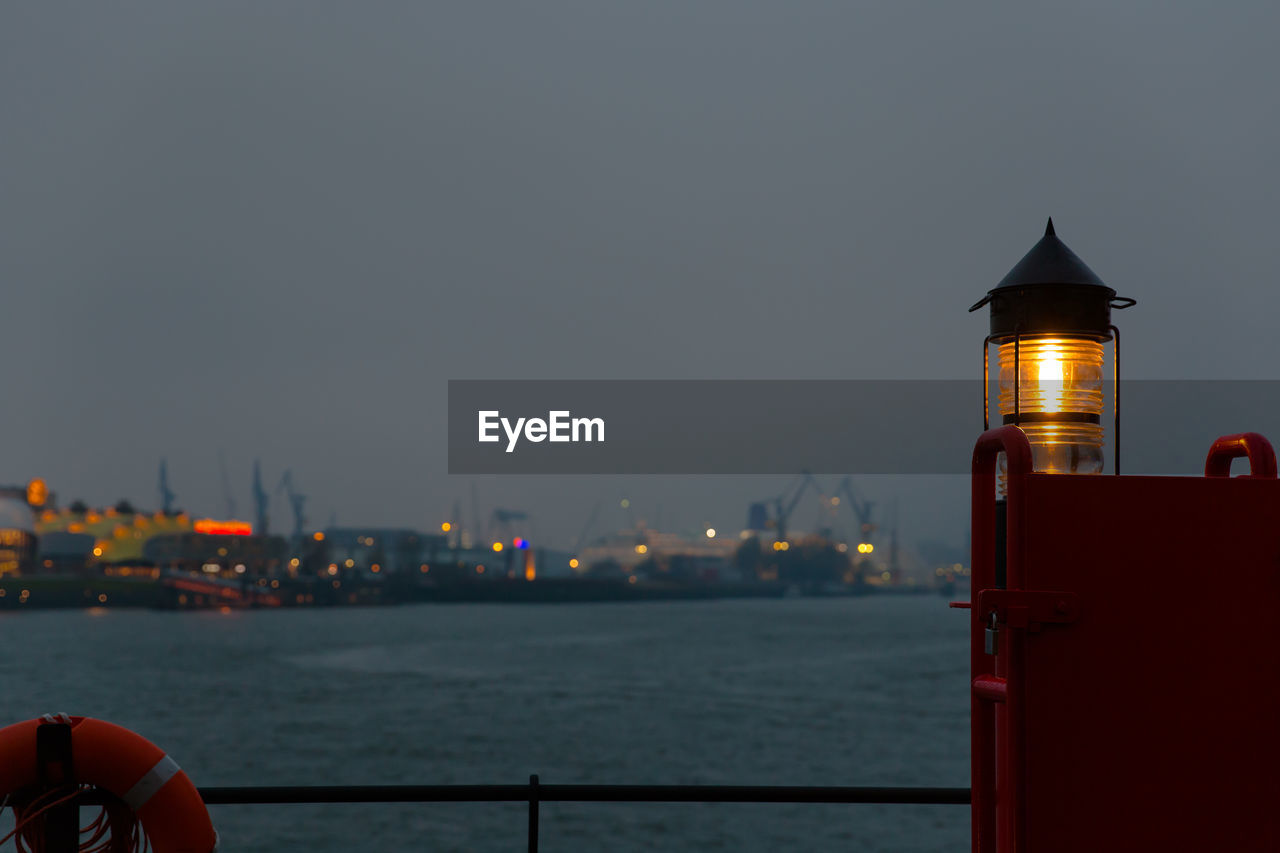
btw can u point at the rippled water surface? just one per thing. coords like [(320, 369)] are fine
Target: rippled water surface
[(864, 691)]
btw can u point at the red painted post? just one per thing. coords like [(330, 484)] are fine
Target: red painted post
[(995, 772), (1088, 728)]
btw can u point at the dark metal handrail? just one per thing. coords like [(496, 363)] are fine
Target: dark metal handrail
[(285, 794), (535, 793)]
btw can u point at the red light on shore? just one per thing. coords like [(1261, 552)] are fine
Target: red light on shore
[(215, 527)]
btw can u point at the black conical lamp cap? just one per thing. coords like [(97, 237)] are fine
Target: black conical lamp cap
[(1051, 291), (1050, 262)]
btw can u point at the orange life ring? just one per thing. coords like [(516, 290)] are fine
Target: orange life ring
[(128, 766)]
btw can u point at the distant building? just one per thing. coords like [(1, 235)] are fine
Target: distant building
[(60, 552), (629, 548), (17, 532), (382, 550), (229, 555)]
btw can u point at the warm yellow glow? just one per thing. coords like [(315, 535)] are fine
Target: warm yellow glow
[(350, 563), (866, 548), (9, 537), (1051, 366), (573, 563), (97, 551), (37, 493), (446, 527), (497, 546), (835, 501), (294, 562), (642, 549), (1055, 375), (530, 573), (711, 533), (318, 536)]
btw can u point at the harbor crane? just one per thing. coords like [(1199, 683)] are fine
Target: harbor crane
[(783, 505), (261, 502), (862, 509), (297, 502), (167, 497), (455, 525), (586, 531), (895, 568), (501, 520)]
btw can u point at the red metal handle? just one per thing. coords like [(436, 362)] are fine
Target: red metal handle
[(1017, 450), (1008, 439), (1262, 459)]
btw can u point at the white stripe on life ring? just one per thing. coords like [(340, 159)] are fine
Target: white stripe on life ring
[(153, 780)]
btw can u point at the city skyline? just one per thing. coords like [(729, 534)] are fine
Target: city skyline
[(280, 234)]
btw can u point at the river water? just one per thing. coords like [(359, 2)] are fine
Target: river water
[(866, 691)]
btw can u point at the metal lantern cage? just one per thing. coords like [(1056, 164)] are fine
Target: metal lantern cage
[(1050, 317)]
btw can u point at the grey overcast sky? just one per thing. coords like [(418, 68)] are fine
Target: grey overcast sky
[(279, 228)]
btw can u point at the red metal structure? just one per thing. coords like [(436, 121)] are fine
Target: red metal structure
[(1126, 674)]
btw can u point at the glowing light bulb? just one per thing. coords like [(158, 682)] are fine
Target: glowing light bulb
[(1055, 396)]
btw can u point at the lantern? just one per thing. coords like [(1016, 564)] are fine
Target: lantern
[(1050, 320)]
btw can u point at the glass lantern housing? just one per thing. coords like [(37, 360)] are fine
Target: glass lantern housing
[(1056, 399)]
